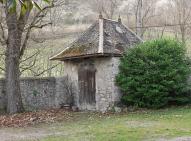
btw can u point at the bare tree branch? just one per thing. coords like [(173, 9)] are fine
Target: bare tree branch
[(44, 71), (37, 18), (30, 57)]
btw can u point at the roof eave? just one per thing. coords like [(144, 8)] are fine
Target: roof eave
[(88, 56)]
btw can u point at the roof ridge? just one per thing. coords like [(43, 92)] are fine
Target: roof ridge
[(101, 36), (133, 32)]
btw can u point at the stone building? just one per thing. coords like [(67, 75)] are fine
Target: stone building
[(91, 62)]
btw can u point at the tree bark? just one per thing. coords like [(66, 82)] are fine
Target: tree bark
[(139, 23), (14, 104), (16, 21)]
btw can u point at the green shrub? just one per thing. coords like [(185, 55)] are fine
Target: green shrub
[(155, 74)]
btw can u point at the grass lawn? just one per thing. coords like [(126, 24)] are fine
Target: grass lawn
[(135, 126), (151, 125)]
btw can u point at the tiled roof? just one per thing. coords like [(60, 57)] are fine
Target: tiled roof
[(104, 38)]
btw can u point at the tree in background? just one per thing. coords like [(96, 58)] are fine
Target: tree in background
[(179, 12), (108, 7), (144, 11)]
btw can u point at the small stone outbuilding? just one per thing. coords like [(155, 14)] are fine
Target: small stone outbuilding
[(91, 63)]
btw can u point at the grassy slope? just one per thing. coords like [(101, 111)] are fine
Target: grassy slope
[(47, 49), (151, 125)]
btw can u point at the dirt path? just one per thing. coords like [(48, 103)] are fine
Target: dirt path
[(177, 139), (35, 134), (18, 134)]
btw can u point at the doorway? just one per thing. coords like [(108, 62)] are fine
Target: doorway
[(87, 86)]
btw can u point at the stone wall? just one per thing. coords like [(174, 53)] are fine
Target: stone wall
[(2, 96), (107, 93), (71, 72), (46, 93), (42, 93)]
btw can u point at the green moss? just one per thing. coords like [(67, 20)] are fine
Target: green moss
[(77, 50)]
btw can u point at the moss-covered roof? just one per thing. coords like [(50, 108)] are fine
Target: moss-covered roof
[(116, 39)]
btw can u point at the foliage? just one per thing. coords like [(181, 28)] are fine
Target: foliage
[(31, 118), (154, 74), (25, 5)]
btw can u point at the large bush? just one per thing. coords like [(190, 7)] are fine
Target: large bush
[(155, 74)]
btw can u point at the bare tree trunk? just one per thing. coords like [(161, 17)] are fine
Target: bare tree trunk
[(16, 20), (139, 23), (12, 66), (183, 34)]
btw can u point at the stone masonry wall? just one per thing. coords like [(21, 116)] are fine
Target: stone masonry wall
[(2, 96), (39, 93), (46, 93), (71, 72), (107, 93)]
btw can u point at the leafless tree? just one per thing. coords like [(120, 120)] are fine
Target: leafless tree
[(179, 12), (144, 12), (107, 7), (19, 19)]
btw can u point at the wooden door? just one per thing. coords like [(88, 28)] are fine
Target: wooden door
[(87, 84)]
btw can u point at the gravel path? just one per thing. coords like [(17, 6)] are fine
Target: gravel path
[(26, 134), (34, 134), (177, 139)]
